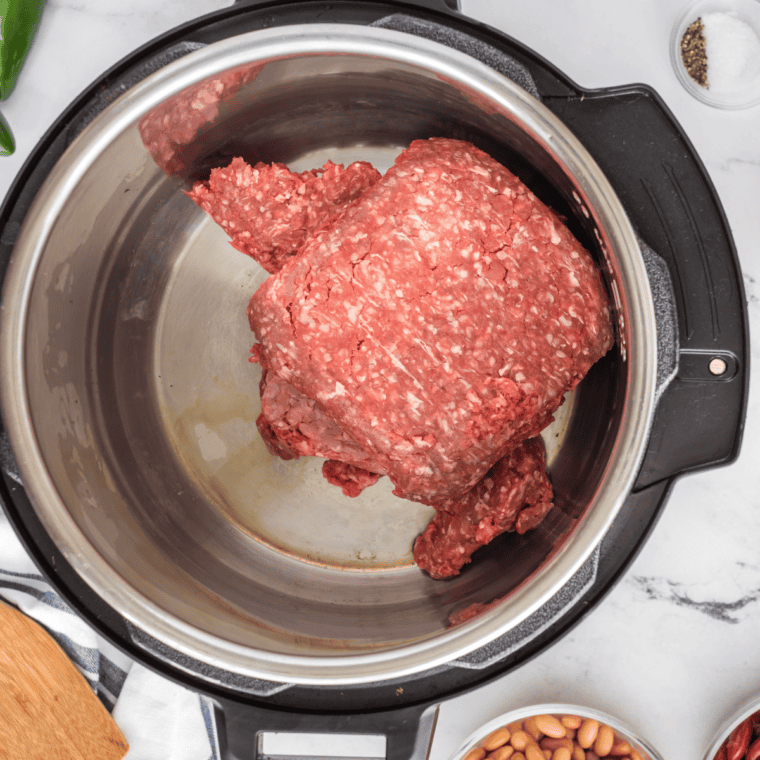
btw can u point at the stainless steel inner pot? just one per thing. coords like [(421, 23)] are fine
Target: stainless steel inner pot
[(131, 405)]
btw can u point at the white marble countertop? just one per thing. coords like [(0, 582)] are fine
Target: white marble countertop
[(673, 649)]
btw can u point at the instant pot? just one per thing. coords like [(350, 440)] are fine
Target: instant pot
[(132, 470)]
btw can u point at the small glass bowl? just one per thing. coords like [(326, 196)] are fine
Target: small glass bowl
[(730, 725), (621, 729), (747, 11)]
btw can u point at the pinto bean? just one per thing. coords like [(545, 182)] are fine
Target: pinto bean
[(554, 744), (476, 753), (534, 752), (520, 740), (502, 753), (586, 735), (605, 738), (550, 726), (496, 739), (530, 726)]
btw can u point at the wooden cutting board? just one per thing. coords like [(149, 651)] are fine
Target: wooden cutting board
[(47, 709)]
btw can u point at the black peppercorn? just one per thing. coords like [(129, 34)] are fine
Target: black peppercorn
[(693, 52)]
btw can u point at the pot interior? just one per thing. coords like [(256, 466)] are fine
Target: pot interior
[(142, 402)]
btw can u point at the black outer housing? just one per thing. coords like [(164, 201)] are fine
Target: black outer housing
[(699, 418)]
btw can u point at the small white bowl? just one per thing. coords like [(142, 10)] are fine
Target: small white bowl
[(730, 725), (747, 11), (621, 729)]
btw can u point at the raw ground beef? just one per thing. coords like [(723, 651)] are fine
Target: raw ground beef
[(427, 328), (268, 211), (515, 495), (168, 129), (293, 425), (352, 480)]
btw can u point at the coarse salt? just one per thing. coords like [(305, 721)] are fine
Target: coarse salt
[(732, 49)]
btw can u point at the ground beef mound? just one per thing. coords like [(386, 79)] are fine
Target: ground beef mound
[(427, 328)]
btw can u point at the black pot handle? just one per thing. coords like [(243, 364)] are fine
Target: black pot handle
[(673, 205), (408, 730)]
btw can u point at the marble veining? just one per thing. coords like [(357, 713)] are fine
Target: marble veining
[(672, 592), (673, 647)]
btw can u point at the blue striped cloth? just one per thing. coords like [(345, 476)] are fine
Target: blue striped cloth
[(160, 719)]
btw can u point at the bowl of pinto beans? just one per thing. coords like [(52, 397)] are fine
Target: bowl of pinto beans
[(555, 732)]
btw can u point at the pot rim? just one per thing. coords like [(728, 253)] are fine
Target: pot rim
[(635, 303)]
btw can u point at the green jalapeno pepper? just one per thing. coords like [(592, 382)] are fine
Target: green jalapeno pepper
[(19, 20), (7, 144)]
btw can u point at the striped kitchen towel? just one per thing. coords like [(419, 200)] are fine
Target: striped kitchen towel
[(160, 719)]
